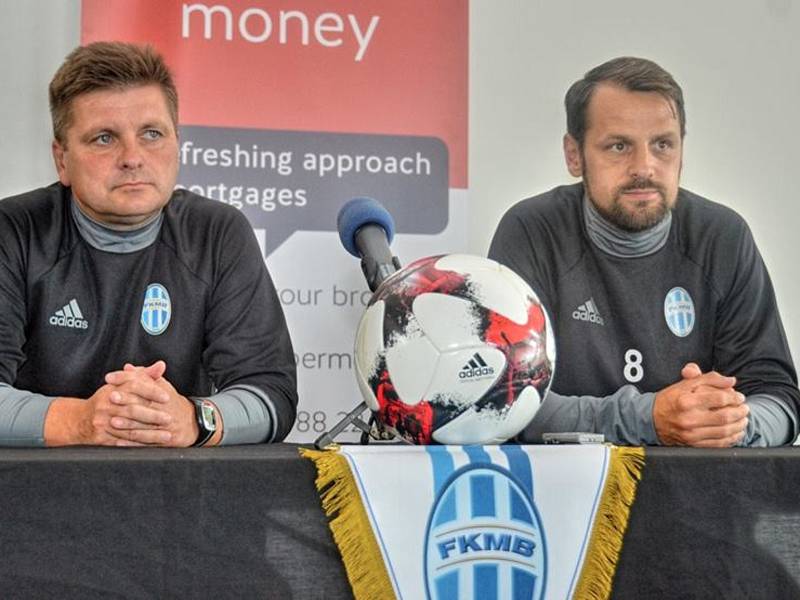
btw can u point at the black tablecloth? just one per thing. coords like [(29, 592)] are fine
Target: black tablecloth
[(246, 522), (239, 522), (716, 524)]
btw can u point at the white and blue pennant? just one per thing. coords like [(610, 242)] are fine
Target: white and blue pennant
[(156, 309), (679, 311), (484, 539)]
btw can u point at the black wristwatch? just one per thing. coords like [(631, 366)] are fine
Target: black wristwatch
[(206, 414)]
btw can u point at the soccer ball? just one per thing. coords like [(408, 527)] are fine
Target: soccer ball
[(454, 349)]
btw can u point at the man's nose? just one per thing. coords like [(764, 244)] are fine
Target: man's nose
[(642, 164), (130, 154)]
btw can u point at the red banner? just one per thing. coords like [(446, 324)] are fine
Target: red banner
[(397, 68)]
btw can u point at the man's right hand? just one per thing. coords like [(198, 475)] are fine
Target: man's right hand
[(146, 385), (73, 421), (703, 410)]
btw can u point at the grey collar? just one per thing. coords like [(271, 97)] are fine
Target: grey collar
[(624, 244), (117, 241)]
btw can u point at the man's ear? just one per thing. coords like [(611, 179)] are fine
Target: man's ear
[(572, 154), (58, 158)]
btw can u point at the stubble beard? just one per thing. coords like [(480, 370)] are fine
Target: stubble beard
[(636, 217)]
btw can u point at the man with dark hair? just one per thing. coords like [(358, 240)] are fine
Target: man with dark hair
[(648, 283), (133, 313)]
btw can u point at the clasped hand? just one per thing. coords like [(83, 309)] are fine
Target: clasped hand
[(703, 409), (138, 407)]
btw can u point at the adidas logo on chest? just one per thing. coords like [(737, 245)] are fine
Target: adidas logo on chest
[(588, 312), (70, 316)]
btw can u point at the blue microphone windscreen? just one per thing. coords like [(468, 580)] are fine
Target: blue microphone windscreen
[(359, 212)]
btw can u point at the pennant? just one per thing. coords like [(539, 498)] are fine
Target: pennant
[(478, 522)]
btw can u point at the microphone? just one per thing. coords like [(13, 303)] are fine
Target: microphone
[(366, 229)]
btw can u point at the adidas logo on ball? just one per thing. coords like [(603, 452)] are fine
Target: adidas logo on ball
[(476, 367)]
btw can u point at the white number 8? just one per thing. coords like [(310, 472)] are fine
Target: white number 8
[(633, 366)]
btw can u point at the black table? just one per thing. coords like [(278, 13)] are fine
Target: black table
[(716, 524), (246, 522), (241, 522)]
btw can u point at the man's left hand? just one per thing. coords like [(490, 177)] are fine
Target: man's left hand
[(147, 386)]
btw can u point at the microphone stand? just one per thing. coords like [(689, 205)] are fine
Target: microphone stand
[(375, 273), (372, 430)]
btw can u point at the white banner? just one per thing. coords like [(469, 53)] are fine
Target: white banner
[(290, 109)]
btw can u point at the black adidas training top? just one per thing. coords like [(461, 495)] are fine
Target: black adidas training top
[(226, 327), (705, 296)]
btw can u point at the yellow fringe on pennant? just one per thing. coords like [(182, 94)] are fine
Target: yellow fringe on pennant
[(610, 523), (350, 525)]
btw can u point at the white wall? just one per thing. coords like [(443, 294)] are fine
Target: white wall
[(35, 36), (737, 62)]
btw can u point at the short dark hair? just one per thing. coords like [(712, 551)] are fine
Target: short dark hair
[(631, 73), (107, 65)]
